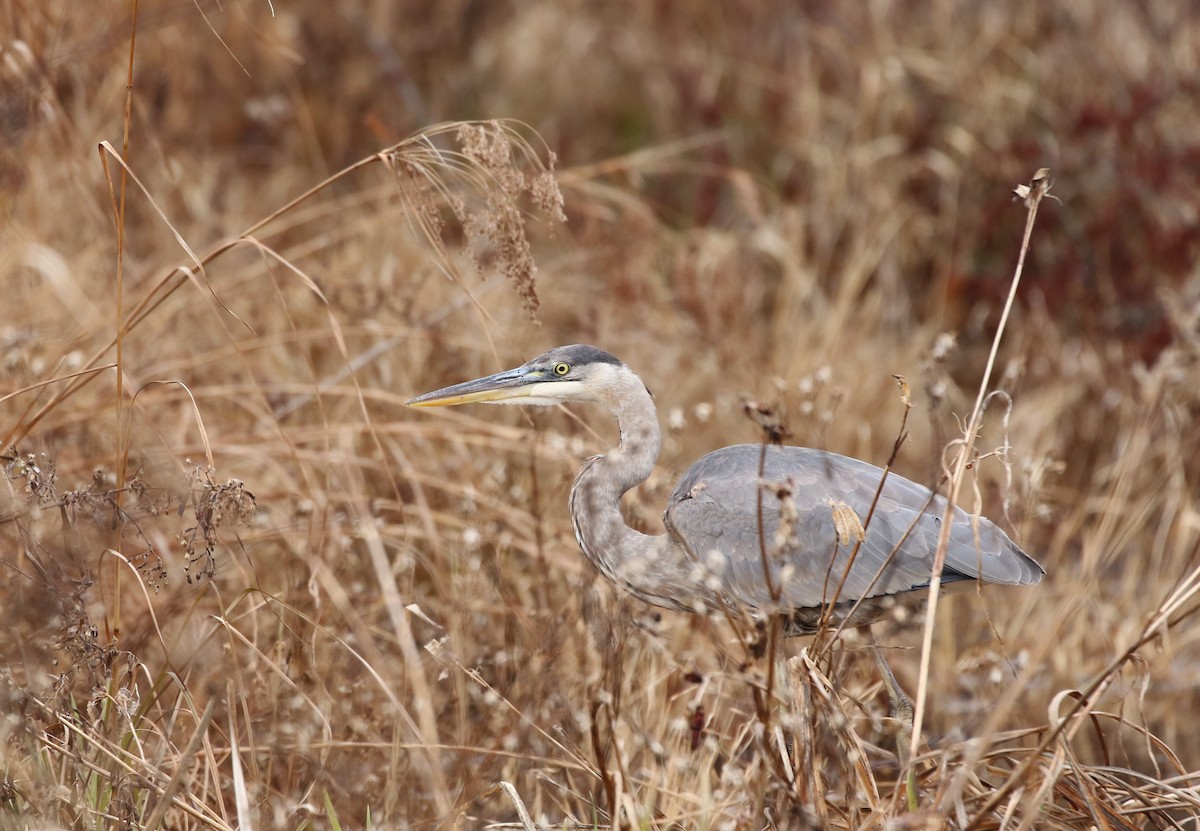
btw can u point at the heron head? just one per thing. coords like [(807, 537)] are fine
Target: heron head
[(564, 374)]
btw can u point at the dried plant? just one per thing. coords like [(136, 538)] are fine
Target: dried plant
[(491, 161), (213, 505), (396, 629)]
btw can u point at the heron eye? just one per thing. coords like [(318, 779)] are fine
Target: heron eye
[(561, 368)]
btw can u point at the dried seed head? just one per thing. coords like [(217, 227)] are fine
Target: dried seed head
[(850, 530)]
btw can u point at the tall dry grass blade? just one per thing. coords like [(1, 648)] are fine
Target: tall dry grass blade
[(159, 812), (422, 693), (522, 812), (1032, 196), (58, 379), (241, 798)]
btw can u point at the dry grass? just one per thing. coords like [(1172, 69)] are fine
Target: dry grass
[(243, 586)]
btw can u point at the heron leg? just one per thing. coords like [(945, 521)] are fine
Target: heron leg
[(900, 706)]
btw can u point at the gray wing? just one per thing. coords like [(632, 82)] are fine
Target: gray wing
[(713, 513)]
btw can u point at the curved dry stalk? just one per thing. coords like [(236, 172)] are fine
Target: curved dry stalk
[(477, 169)]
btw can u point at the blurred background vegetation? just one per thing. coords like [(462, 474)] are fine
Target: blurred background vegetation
[(221, 570)]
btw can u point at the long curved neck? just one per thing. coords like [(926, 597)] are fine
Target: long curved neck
[(653, 568)]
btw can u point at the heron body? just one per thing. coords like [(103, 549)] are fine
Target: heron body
[(720, 522)]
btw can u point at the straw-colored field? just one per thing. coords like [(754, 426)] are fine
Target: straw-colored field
[(244, 586)]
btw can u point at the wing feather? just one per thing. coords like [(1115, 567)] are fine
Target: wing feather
[(713, 513)]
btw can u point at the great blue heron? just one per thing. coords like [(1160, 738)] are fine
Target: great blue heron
[(720, 525)]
